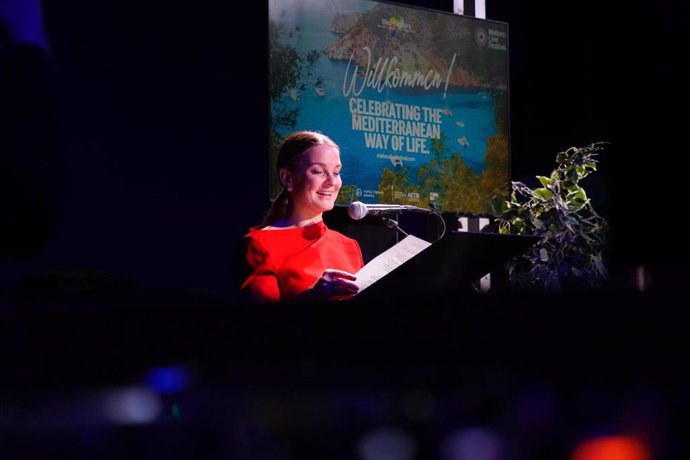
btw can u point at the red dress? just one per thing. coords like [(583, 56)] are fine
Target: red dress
[(284, 263)]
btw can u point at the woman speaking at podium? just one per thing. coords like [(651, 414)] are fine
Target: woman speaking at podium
[(292, 255)]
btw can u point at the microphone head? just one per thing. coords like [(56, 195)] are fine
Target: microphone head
[(357, 210)]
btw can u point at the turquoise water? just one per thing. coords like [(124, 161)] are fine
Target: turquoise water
[(467, 121)]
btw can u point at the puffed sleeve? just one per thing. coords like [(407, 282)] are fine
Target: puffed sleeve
[(261, 282)]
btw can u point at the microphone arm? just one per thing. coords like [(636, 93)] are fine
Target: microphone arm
[(437, 213)]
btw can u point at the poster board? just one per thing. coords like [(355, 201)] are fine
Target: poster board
[(417, 99)]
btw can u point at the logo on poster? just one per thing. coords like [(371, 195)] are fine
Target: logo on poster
[(395, 24), (480, 36)]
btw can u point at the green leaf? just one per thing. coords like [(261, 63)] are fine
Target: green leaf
[(577, 199), (569, 185), (543, 194), (545, 181)]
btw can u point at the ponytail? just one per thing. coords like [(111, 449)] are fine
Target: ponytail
[(277, 210)]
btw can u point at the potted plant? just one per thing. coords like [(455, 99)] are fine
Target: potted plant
[(574, 238)]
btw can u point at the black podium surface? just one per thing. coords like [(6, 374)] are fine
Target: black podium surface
[(450, 265)]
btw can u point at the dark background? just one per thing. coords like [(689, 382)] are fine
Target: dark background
[(140, 131), (134, 156)]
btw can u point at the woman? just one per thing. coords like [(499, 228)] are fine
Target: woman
[(293, 255)]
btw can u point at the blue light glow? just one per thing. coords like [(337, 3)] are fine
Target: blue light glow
[(169, 379)]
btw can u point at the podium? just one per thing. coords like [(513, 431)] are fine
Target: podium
[(449, 266)]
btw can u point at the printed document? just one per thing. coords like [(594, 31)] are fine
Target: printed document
[(390, 259)]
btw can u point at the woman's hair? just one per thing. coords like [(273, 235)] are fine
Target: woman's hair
[(289, 153)]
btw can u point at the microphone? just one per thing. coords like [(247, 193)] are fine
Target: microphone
[(357, 210)]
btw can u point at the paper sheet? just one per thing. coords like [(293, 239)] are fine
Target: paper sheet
[(388, 260)]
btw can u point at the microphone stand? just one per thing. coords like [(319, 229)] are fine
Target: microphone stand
[(393, 225)]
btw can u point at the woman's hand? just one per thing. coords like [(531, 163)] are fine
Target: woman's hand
[(334, 285)]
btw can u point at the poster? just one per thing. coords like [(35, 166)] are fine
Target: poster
[(417, 99)]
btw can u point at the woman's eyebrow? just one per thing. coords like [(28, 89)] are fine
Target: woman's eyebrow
[(317, 163)]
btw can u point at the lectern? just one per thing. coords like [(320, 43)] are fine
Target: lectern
[(450, 265)]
